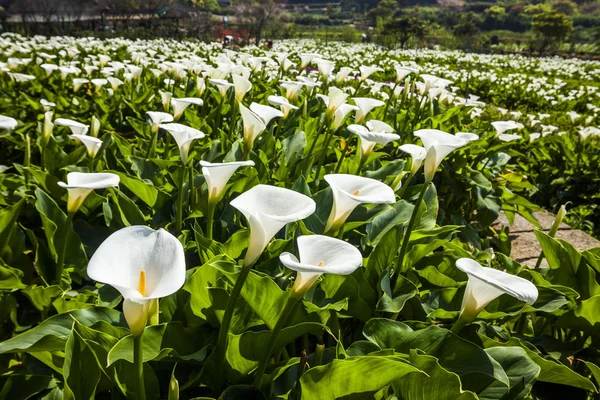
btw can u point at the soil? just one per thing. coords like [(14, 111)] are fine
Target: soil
[(524, 245)]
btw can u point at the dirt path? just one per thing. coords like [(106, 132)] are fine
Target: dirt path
[(525, 247)]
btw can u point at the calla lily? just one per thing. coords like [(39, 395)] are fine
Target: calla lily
[(508, 137), (485, 284), (310, 83), (266, 113), (306, 59), (48, 126), (142, 264), (417, 153), (179, 105), (96, 125), (114, 82), (253, 126), (325, 68), (466, 136), (320, 255), (200, 86), (292, 89), (81, 184), (366, 71), (438, 145), (78, 82), (47, 105), (91, 143), (342, 74), (349, 191), (155, 118), (375, 133), (283, 104), (183, 135), (218, 174), (336, 98), (165, 98), (268, 209), (77, 128), (241, 86), (8, 123), (365, 105), (503, 126), (222, 85), (402, 72), (340, 115)]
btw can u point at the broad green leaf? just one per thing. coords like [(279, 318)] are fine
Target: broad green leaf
[(342, 378), (81, 370)]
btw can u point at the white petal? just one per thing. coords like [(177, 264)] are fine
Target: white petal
[(218, 174), (123, 255)]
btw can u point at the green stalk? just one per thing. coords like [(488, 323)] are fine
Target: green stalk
[(152, 145), (288, 311), (323, 154), (400, 260), (210, 216), (221, 346), (459, 324), (138, 363), (60, 264), (179, 210), (387, 106), (405, 185)]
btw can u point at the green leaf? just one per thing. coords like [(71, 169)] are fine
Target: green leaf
[(81, 370), (17, 386), (347, 377), (143, 189), (171, 340), (436, 383), (52, 333), (521, 370), (395, 215)]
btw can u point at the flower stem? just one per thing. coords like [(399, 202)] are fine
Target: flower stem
[(409, 228), (138, 362), (287, 313), (210, 216), (323, 154), (179, 215), (152, 145), (405, 185), (459, 324), (221, 346), (60, 264)]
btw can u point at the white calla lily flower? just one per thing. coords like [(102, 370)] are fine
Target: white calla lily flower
[(306, 59), (292, 89), (142, 264), (283, 103), (339, 116), (241, 86), (402, 72), (417, 154), (222, 85), (503, 126), (47, 105), (78, 82), (371, 136), (334, 100), (367, 71), (155, 118), (179, 105), (266, 113), (485, 284), (508, 137), (349, 191), (183, 135), (466, 136), (48, 126), (319, 255), (253, 126), (8, 123), (81, 184), (91, 143), (438, 145), (365, 105), (77, 128), (268, 209), (218, 174)]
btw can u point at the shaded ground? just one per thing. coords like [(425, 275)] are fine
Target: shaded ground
[(525, 247)]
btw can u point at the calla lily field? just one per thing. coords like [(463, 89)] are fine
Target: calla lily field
[(183, 221)]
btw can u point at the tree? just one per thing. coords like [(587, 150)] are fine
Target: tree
[(552, 27), (466, 30), (255, 15), (384, 10), (566, 7), (404, 28)]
